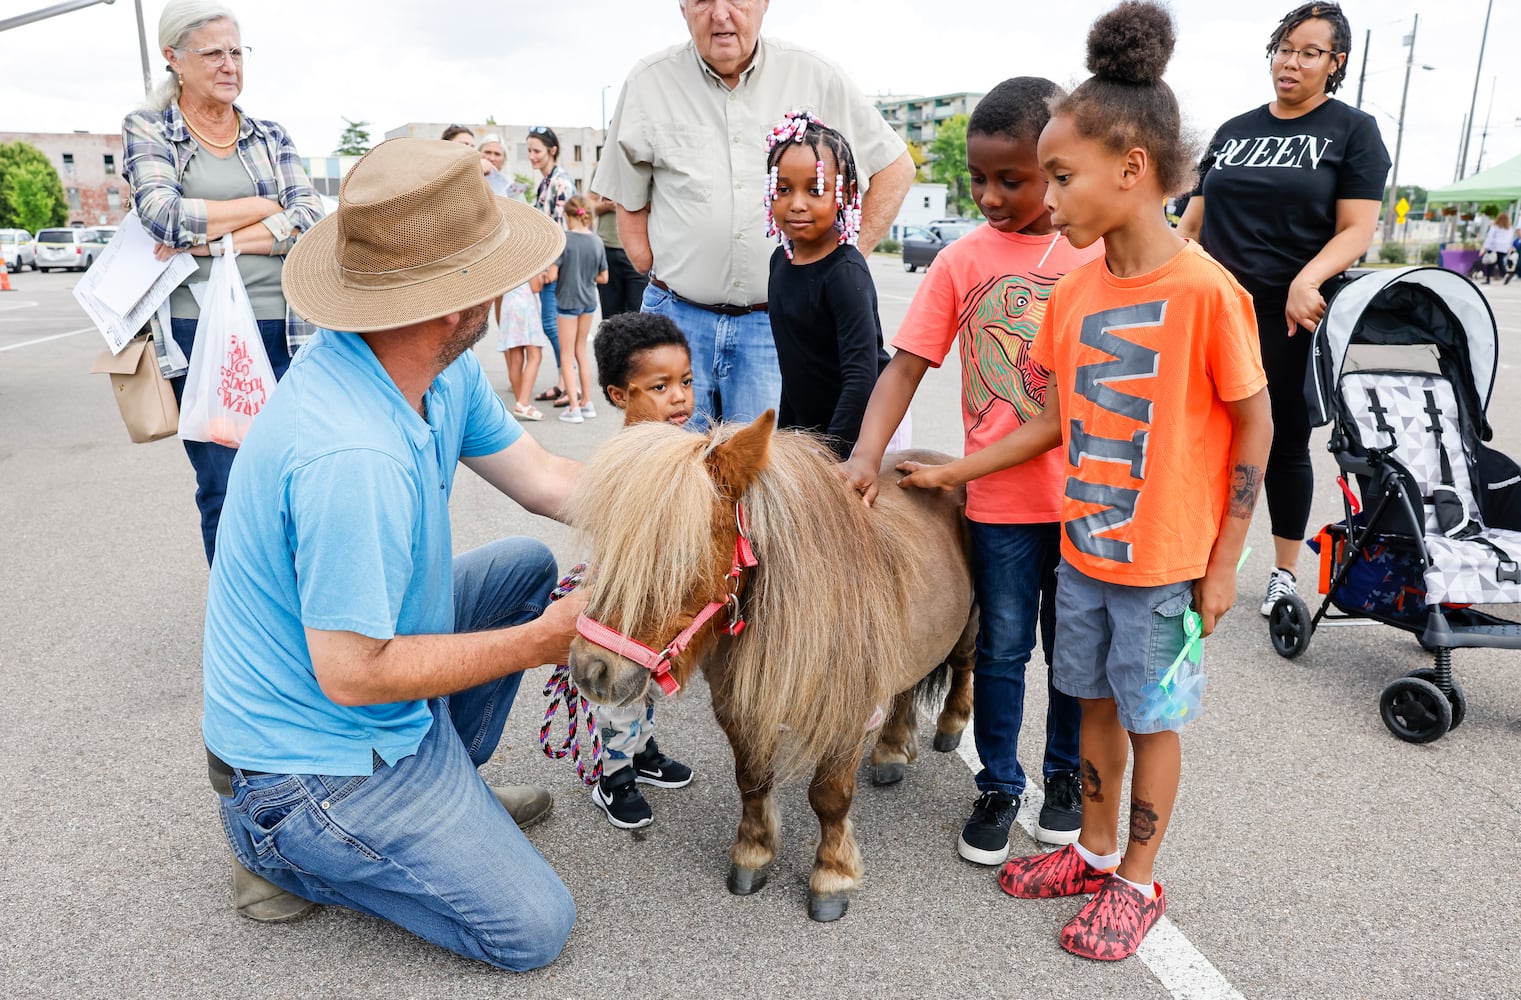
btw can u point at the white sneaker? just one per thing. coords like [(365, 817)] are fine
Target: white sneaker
[(587, 411), (1280, 584), (572, 415)]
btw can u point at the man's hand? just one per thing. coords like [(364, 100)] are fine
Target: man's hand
[(559, 621), (1214, 594), (860, 476), (927, 477)]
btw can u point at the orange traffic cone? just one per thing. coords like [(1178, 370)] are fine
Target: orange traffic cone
[(5, 277)]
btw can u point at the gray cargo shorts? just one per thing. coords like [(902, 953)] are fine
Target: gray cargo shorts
[(1112, 640)]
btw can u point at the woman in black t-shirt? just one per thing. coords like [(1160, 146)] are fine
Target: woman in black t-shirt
[(1287, 200)]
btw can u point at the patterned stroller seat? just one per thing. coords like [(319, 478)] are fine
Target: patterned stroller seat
[(1412, 419)]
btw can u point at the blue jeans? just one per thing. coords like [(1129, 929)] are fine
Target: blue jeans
[(1014, 574), (423, 843), (212, 462), (548, 313), (735, 375)]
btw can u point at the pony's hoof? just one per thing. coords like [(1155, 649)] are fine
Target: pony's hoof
[(747, 881), (887, 774), (827, 906), (946, 742)]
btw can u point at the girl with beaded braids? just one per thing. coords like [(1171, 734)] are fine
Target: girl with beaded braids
[(822, 301), (1159, 402), (1288, 197)]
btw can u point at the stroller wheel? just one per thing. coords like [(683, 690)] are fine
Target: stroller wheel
[(1415, 709), (1289, 626), (1456, 698)]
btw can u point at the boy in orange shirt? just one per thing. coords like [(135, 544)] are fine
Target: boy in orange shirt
[(1159, 397), (989, 290)]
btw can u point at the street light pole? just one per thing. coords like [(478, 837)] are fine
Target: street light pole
[(37, 15), (142, 44), (1474, 101), (1399, 135), (1367, 40)]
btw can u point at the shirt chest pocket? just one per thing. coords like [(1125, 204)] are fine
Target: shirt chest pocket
[(690, 160)]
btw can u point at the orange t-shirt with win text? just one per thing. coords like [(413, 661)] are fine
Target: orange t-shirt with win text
[(1144, 368)]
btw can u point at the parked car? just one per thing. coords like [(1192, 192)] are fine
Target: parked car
[(17, 250), (74, 249), (106, 233), (921, 243)]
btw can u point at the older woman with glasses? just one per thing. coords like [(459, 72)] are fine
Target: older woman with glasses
[(1287, 199), (199, 169)]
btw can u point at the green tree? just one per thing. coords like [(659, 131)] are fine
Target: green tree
[(920, 156), (355, 140), (31, 193), (32, 198), (948, 163)]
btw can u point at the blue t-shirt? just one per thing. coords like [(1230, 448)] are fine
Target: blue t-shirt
[(336, 518)]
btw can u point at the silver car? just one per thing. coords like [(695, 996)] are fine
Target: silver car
[(74, 249), (16, 249)]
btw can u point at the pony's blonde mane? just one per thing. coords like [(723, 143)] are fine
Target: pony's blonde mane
[(826, 607)]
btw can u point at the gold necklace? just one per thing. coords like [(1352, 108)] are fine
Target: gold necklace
[(237, 123)]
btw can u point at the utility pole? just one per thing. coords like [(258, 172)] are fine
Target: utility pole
[(1473, 102), (1484, 136), (1361, 77), (1399, 134), (142, 44)]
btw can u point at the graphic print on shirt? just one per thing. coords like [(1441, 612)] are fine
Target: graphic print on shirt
[(1092, 534), (996, 328), (1287, 151)]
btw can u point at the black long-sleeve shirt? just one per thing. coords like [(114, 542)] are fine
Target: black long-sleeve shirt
[(828, 342)]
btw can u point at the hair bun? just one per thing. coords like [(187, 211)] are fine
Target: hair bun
[(1131, 43)]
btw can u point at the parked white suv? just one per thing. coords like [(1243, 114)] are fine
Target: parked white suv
[(74, 249), (16, 249)]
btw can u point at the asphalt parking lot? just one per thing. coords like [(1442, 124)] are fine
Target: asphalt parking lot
[(1312, 854)]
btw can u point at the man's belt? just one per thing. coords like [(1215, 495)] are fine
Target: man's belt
[(722, 310), (220, 773)]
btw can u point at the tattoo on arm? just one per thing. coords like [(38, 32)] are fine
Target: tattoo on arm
[(1143, 821), (1246, 482), (1093, 786)]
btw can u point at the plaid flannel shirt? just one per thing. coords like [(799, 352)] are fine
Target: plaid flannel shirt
[(157, 146)]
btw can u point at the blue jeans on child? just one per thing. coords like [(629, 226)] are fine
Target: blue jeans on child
[(735, 375), (212, 462), (548, 313), (1014, 575), (423, 843)]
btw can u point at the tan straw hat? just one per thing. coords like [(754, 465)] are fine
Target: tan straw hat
[(417, 235)]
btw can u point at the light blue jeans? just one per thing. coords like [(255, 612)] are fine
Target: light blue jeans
[(424, 843), (735, 375)]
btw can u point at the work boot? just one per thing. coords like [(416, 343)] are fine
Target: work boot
[(526, 804), (260, 899)]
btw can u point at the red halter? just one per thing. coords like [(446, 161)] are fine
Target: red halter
[(659, 663)]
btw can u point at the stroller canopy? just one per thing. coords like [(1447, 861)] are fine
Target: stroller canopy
[(1411, 305)]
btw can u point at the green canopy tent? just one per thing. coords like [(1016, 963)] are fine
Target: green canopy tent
[(1500, 183)]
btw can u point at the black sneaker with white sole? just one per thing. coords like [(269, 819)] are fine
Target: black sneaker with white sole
[(654, 768), (1061, 815), (985, 837), (617, 795)]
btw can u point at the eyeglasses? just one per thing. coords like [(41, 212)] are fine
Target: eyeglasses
[(1307, 56), (216, 57)]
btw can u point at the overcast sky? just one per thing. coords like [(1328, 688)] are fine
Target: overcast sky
[(547, 61)]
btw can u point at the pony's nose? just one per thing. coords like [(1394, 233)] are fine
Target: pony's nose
[(591, 671)]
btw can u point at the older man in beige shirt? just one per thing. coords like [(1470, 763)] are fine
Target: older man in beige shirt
[(685, 162)]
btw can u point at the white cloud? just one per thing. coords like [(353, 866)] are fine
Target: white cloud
[(523, 61)]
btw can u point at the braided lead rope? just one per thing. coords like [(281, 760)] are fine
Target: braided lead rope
[(562, 690)]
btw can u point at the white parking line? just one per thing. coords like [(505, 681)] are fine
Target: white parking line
[(11, 305), (44, 340), (1180, 967)]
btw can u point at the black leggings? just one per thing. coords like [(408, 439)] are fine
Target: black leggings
[(1289, 480)]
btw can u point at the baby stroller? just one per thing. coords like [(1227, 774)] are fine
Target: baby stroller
[(1403, 365)]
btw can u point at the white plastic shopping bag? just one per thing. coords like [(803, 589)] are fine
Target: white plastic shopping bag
[(230, 378)]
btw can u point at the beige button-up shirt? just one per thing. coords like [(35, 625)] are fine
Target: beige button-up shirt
[(694, 152)]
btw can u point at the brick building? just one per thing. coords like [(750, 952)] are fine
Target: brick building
[(89, 164)]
